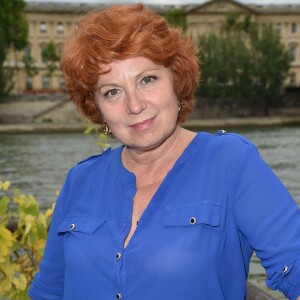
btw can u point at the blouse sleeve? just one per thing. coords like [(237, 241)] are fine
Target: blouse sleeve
[(269, 218), (49, 281)]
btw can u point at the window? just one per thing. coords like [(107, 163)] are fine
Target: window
[(292, 51), (60, 28), (27, 51), (278, 27), (46, 82), (28, 83), (293, 27), (43, 27)]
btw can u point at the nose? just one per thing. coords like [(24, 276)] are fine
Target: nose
[(135, 103)]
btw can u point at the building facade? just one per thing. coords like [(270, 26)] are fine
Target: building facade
[(284, 18), (52, 22)]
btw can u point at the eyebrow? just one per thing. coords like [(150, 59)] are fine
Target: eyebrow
[(136, 77)]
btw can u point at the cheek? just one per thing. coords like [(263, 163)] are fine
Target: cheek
[(112, 115)]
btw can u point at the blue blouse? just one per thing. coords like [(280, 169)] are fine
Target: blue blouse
[(218, 204)]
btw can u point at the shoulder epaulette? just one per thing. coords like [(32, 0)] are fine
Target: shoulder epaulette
[(240, 137), (93, 157)]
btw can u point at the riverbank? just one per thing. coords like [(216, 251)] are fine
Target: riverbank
[(58, 115), (194, 124)]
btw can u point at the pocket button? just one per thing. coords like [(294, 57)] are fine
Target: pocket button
[(193, 220)]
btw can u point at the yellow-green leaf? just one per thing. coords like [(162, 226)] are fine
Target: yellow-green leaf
[(42, 220), (4, 204), (89, 130), (4, 185), (6, 240), (20, 283), (29, 219)]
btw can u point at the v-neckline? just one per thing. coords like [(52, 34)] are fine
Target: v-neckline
[(154, 202)]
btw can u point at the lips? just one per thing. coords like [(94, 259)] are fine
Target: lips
[(144, 125)]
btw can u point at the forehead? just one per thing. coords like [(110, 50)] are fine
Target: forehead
[(134, 64)]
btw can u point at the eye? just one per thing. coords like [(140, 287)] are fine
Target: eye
[(149, 79), (111, 93)]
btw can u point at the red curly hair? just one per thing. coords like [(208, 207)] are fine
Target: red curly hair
[(121, 32)]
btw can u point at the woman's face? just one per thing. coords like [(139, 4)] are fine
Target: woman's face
[(137, 100)]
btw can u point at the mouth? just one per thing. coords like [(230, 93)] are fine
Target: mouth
[(140, 126)]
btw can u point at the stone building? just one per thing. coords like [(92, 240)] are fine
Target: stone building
[(53, 21), (285, 19)]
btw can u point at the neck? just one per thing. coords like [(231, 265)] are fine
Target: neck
[(167, 153)]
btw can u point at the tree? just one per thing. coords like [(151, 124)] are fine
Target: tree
[(176, 18), (13, 36), (30, 68), (270, 65), (244, 64), (51, 57)]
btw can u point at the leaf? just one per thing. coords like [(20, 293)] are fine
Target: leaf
[(89, 130), (4, 204), (20, 283), (5, 286), (103, 137), (4, 185), (29, 219), (102, 145), (49, 212), (6, 240), (42, 220)]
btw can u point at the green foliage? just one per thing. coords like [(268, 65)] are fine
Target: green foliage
[(30, 68), (13, 35), (99, 137), (176, 18), (51, 57), (244, 64), (23, 232)]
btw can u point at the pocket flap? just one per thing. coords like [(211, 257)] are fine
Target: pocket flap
[(199, 213), (80, 223)]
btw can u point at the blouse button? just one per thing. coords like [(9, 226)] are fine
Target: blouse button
[(285, 269), (221, 131), (118, 255), (193, 220), (118, 296), (72, 226)]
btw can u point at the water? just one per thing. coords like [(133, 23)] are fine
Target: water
[(38, 163)]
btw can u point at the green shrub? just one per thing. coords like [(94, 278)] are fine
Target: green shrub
[(23, 233)]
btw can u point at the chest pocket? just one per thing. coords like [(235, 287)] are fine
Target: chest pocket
[(208, 213), (80, 223)]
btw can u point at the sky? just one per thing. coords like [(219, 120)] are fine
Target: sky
[(171, 2)]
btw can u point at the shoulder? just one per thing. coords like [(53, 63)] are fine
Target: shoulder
[(222, 139), (227, 145), (95, 163)]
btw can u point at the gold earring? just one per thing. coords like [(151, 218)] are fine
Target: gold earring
[(179, 105), (105, 128)]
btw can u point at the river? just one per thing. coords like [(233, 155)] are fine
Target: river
[(38, 163)]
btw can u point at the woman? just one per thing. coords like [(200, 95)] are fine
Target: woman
[(171, 214)]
